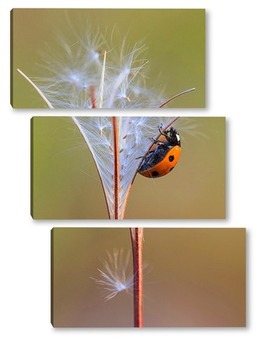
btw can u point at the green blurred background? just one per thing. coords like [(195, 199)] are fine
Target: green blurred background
[(175, 41), (194, 278), (66, 185)]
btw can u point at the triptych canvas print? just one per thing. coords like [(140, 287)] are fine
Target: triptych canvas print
[(98, 161)]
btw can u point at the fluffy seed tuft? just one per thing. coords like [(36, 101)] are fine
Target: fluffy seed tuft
[(115, 276)]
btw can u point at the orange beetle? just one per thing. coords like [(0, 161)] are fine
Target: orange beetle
[(163, 155)]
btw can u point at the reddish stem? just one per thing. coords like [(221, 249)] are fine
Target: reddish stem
[(137, 244), (92, 97), (116, 168), (174, 97)]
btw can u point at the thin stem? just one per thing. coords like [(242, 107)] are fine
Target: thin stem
[(36, 88), (137, 244), (175, 96), (92, 97), (116, 168), (101, 93)]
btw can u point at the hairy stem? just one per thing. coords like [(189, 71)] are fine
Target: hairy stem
[(137, 245)]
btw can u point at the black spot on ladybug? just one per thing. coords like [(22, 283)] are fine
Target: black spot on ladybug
[(154, 174), (171, 158), (171, 168)]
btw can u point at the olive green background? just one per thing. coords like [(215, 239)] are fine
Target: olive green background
[(194, 277), (66, 185), (175, 41)]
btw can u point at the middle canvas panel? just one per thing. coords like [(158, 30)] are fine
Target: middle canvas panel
[(128, 167)]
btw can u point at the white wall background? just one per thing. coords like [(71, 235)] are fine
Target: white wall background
[(232, 76)]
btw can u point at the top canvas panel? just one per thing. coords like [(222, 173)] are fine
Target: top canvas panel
[(107, 58)]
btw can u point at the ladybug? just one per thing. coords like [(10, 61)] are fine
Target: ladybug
[(163, 155)]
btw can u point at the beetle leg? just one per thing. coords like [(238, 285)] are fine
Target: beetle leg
[(156, 141), (163, 133)]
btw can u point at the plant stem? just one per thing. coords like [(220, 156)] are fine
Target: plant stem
[(36, 88), (175, 96), (137, 244), (102, 81), (116, 168)]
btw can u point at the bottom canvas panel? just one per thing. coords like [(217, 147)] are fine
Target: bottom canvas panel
[(191, 277)]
